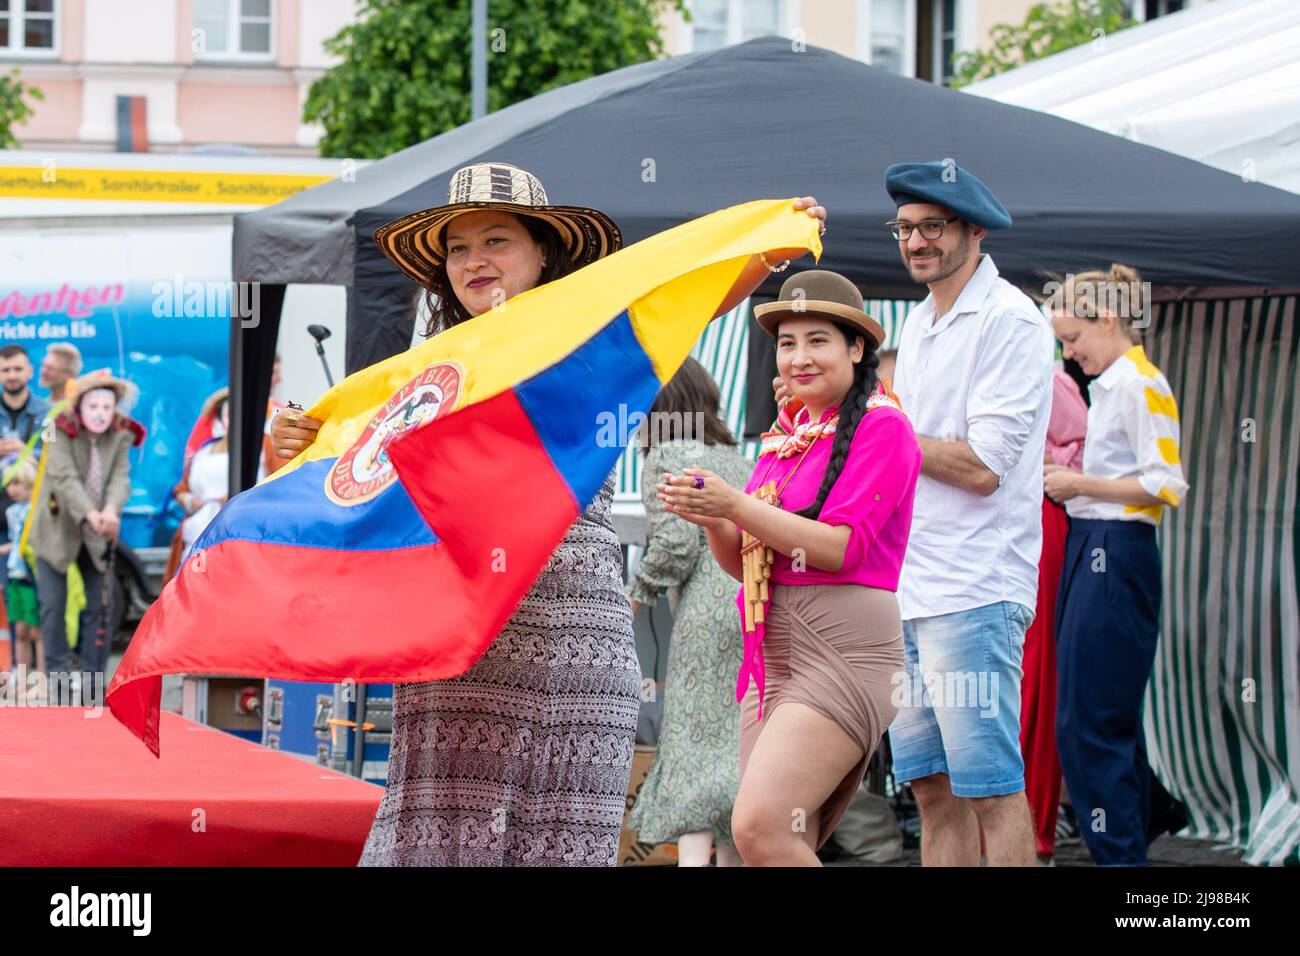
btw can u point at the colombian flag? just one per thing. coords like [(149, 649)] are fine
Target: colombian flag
[(396, 547)]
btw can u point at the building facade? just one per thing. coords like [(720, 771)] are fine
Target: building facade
[(910, 37), (199, 73), (208, 75)]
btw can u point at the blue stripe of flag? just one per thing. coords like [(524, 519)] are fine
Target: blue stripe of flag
[(295, 510), (572, 403)]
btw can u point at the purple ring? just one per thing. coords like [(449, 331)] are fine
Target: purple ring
[(699, 480)]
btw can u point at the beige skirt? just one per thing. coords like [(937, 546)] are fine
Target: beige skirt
[(836, 649)]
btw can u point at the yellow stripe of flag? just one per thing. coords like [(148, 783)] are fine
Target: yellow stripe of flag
[(539, 328)]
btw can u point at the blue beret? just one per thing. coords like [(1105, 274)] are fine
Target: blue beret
[(946, 185)]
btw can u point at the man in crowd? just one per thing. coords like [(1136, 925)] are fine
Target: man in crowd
[(21, 412), (61, 364), (974, 372), (22, 415)]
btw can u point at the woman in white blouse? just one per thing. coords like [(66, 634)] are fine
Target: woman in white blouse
[(206, 484), (1108, 610)]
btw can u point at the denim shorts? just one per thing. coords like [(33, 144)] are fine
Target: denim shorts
[(959, 700)]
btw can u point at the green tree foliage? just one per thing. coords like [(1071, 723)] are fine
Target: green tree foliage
[(1048, 28), (404, 74), (14, 109)]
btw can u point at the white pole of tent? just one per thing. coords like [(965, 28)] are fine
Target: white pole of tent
[(478, 62)]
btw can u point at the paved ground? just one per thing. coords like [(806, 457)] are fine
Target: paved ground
[(1166, 851)]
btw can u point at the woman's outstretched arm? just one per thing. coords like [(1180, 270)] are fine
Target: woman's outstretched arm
[(752, 276)]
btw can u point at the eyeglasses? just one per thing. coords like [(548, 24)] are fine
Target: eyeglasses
[(930, 228)]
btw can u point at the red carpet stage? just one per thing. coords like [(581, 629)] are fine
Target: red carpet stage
[(78, 791)]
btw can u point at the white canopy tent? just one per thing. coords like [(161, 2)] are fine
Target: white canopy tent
[(1218, 83)]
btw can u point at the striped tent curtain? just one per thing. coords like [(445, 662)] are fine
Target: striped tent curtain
[(890, 313), (1222, 715)]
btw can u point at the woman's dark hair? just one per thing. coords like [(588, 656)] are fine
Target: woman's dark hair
[(440, 300), (687, 407), (852, 408)]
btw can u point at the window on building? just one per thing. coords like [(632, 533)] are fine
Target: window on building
[(945, 40), (233, 28), (1143, 10), (709, 20), (719, 23), (27, 27), (760, 18), (889, 35), (1159, 8), (936, 39)]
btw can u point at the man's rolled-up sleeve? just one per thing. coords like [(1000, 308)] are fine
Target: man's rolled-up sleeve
[(1013, 372)]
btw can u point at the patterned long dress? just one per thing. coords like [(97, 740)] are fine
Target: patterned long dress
[(524, 760), (693, 782)]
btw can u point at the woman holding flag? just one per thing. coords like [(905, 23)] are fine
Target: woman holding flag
[(525, 758), (817, 537)]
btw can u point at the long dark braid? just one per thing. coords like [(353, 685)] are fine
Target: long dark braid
[(852, 408)]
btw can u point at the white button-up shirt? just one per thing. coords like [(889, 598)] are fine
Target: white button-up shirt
[(1132, 433), (981, 373)]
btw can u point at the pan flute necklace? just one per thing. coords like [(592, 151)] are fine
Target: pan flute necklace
[(756, 558)]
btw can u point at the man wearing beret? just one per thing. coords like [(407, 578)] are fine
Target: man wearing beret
[(974, 374)]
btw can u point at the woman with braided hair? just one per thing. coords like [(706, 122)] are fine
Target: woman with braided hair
[(817, 539)]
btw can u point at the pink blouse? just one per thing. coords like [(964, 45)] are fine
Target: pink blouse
[(872, 497), (1068, 424)]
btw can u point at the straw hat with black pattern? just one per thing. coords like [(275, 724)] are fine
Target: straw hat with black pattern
[(415, 242), (824, 294)]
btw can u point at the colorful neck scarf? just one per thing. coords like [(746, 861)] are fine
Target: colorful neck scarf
[(787, 444), (790, 436)]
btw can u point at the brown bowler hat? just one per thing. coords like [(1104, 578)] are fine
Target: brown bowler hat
[(819, 292)]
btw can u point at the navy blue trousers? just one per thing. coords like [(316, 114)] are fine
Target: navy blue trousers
[(1107, 621)]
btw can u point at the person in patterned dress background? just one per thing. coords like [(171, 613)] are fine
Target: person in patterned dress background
[(689, 792)]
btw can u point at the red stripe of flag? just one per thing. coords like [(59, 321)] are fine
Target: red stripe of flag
[(486, 485)]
